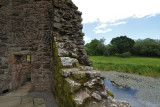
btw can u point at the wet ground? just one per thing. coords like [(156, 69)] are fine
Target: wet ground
[(139, 91)]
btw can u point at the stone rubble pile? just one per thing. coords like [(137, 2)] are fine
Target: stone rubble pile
[(88, 89)]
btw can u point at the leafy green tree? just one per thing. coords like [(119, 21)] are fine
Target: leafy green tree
[(147, 47), (109, 50), (122, 44), (96, 47)]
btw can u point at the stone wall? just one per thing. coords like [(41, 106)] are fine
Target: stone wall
[(67, 31), (26, 27), (77, 84), (3, 49)]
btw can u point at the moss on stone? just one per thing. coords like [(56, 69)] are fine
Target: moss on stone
[(110, 93), (73, 86), (63, 91), (77, 75), (76, 64)]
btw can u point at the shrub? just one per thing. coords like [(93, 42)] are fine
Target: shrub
[(125, 55)]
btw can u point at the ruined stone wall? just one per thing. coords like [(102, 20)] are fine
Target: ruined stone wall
[(77, 84), (51, 32), (26, 29), (67, 31), (4, 75)]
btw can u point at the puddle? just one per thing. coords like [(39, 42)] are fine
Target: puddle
[(128, 95)]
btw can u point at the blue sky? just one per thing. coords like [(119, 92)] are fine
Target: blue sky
[(137, 19)]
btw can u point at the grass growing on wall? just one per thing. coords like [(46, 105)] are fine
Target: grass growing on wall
[(140, 65)]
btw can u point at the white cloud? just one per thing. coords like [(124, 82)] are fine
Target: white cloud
[(101, 26), (118, 23), (114, 10), (86, 38), (103, 31)]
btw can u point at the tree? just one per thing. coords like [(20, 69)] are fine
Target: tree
[(109, 50), (147, 47), (122, 44), (96, 47)]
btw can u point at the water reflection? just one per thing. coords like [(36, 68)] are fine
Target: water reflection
[(127, 94)]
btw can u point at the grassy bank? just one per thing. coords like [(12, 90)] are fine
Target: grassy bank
[(139, 65)]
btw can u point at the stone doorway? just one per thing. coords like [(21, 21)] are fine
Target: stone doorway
[(20, 70)]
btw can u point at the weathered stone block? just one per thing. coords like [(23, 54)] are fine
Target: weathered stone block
[(79, 75), (96, 96), (62, 52), (91, 83), (57, 25), (67, 72), (74, 86), (68, 62), (93, 73), (38, 101), (81, 97), (86, 68)]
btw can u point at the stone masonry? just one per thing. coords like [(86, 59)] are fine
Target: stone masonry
[(50, 33), (25, 30)]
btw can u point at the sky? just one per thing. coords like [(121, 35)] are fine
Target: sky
[(137, 19)]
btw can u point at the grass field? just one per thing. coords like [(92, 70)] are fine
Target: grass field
[(140, 65)]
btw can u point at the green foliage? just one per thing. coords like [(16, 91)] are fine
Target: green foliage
[(96, 47), (139, 65), (122, 44), (109, 50), (146, 47), (125, 55), (124, 47)]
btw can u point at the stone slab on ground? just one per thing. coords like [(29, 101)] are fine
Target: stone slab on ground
[(38, 101), (49, 99), (22, 97), (10, 102)]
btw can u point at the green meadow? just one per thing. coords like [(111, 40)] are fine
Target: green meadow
[(146, 66)]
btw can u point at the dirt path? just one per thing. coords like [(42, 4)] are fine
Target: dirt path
[(148, 87)]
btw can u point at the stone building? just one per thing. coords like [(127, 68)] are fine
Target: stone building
[(42, 41)]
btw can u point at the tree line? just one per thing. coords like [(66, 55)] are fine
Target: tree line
[(124, 46)]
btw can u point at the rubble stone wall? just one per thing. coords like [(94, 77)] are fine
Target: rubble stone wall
[(77, 84), (3, 49), (26, 27)]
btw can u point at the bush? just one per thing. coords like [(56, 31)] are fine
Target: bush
[(125, 55), (95, 47)]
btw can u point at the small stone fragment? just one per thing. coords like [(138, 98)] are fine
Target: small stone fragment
[(80, 97), (91, 83), (96, 96), (86, 68), (93, 74), (104, 94)]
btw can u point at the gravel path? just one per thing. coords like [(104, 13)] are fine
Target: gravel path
[(148, 87)]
